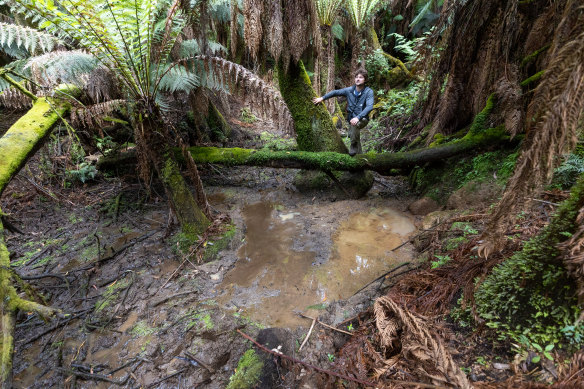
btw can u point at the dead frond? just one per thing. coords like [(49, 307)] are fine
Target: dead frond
[(276, 30), (509, 95), (92, 116), (262, 97), (551, 122), (14, 99), (297, 19), (408, 335), (252, 25)]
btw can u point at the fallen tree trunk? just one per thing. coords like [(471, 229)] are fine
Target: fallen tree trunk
[(16, 146), (26, 135), (382, 163)]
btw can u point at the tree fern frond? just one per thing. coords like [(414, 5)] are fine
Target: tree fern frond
[(327, 11), (264, 99), (177, 78), (361, 10), (92, 116), (58, 67), (189, 48), (25, 41)]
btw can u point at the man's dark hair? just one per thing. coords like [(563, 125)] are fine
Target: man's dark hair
[(362, 72)]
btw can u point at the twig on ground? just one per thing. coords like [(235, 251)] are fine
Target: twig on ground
[(308, 334), (165, 299), (56, 326), (325, 325), (152, 385), (382, 276), (198, 360)]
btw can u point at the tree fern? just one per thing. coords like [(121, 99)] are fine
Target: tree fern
[(20, 42), (327, 10), (361, 10)]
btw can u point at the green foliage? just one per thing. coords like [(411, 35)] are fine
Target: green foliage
[(442, 260), (85, 172), (568, 172), (444, 179), (530, 294), (276, 143), (361, 11), (248, 371), (21, 42), (247, 116), (404, 46)]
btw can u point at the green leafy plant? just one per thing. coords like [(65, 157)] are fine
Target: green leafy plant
[(442, 260), (247, 116), (84, 172), (567, 173), (276, 143)]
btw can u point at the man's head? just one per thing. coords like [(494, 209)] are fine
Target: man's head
[(360, 77)]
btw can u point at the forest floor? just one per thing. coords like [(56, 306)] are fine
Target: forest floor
[(145, 314)]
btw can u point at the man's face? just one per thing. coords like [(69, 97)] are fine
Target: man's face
[(359, 80)]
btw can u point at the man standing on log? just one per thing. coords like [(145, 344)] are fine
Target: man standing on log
[(359, 104)]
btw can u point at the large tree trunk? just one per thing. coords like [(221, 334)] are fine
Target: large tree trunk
[(314, 128), (155, 150)]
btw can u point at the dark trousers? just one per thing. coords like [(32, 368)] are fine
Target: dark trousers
[(355, 136)]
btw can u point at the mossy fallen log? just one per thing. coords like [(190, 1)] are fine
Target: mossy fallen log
[(383, 163), (26, 135), (16, 146)]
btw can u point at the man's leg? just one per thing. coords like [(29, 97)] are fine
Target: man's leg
[(355, 137)]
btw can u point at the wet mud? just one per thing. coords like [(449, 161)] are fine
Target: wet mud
[(140, 307)]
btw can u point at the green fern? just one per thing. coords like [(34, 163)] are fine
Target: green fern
[(361, 10), (20, 42)]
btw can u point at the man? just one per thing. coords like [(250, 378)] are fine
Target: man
[(359, 104)]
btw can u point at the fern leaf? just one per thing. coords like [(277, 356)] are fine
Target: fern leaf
[(14, 37)]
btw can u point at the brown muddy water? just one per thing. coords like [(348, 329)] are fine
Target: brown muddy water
[(273, 279)]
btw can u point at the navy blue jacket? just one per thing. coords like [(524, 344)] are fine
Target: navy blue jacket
[(357, 105)]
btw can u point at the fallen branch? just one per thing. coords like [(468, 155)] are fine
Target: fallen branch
[(325, 325), (308, 334), (328, 372)]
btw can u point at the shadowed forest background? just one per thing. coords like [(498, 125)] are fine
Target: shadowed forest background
[(151, 149)]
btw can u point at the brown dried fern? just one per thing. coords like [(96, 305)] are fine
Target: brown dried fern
[(552, 121), (252, 25), (261, 96), (92, 116), (419, 346)]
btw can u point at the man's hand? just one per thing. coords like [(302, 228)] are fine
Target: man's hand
[(354, 121), (317, 100)]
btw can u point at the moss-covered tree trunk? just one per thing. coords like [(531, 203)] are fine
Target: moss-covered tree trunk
[(16, 146), (314, 128), (26, 135)]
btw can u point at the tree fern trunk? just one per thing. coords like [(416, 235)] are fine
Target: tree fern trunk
[(155, 150)]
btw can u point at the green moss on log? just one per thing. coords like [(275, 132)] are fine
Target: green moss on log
[(248, 372), (220, 129), (315, 130), (530, 57), (22, 139)]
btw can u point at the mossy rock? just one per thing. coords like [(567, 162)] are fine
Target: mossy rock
[(357, 184)]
